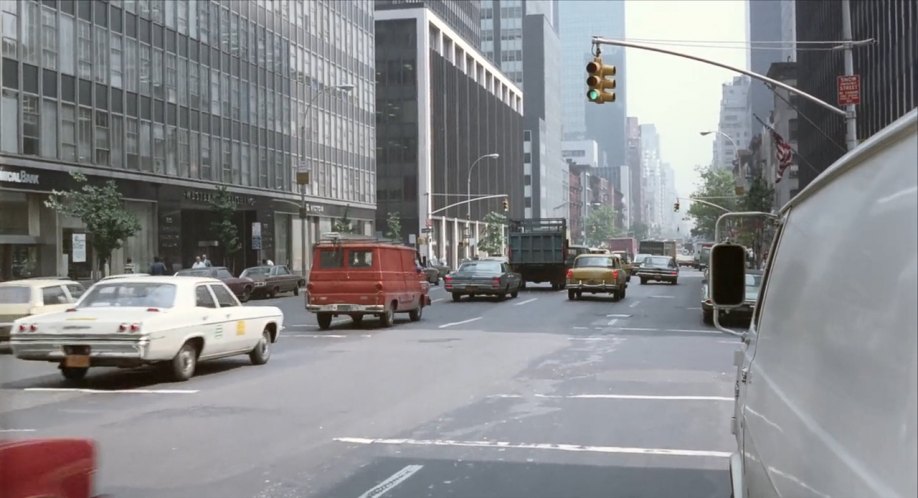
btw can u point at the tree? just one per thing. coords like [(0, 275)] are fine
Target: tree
[(755, 231), (640, 231), (224, 228), (714, 183), (101, 209), (393, 226), (492, 242), (600, 226), (344, 224)]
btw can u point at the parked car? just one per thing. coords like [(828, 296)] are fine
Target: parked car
[(241, 286), (742, 313), (483, 277), (429, 273), (359, 277), (441, 267), (172, 321), (22, 298), (596, 273), (659, 269), (270, 281)]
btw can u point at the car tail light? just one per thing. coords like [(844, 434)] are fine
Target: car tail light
[(153, 309), (615, 274), (135, 327), (448, 278), (570, 274), (310, 287), (379, 286), (495, 282), (123, 327), (33, 328)]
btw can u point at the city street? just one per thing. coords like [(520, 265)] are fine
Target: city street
[(535, 396)]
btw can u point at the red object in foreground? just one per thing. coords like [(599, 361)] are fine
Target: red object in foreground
[(59, 468)]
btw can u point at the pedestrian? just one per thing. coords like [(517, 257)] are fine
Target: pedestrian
[(205, 260), (267, 262), (129, 266), (157, 268), (198, 263)]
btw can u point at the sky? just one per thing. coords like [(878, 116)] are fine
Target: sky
[(680, 96)]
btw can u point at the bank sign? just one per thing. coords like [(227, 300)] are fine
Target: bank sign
[(22, 177)]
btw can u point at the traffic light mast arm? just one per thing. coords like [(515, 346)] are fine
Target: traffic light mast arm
[(598, 40), (467, 202)]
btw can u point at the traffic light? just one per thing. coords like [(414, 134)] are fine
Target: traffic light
[(601, 82), (506, 205), (676, 207)]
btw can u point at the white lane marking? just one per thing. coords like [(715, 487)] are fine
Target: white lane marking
[(618, 315), (526, 301), (393, 481), (437, 300), (538, 446), (17, 430), (110, 391), (591, 338), (640, 328), (671, 330), (619, 396), (735, 342), (470, 320), (634, 304), (695, 309), (664, 297), (612, 322), (316, 336), (313, 325)]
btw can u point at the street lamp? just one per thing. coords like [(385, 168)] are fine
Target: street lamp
[(468, 213), (302, 175), (735, 147)]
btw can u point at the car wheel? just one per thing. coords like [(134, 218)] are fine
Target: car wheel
[(615, 296), (324, 320), (184, 362), (571, 295), (675, 281), (457, 296), (74, 373), (515, 293), (415, 315), (246, 294), (387, 318), (296, 290), (262, 352), (357, 318)]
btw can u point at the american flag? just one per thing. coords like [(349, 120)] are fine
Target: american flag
[(783, 153)]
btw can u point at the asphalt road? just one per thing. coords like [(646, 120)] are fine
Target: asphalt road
[(530, 397)]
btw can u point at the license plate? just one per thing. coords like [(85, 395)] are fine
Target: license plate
[(76, 361), (343, 307)]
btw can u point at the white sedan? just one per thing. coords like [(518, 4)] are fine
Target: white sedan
[(132, 321)]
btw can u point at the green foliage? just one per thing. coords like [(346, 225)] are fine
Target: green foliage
[(224, 228), (344, 224), (492, 241), (101, 209), (393, 226), (755, 233), (714, 183), (640, 231), (600, 226)]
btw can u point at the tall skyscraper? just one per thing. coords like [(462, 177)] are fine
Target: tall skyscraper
[(765, 25), (734, 122), (463, 16), (171, 100), (579, 21)]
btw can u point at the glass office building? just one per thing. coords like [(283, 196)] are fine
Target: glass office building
[(172, 99)]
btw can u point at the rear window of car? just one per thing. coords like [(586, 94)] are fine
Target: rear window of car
[(593, 261), (659, 262), (193, 273), (331, 258), (15, 295), (481, 267), (360, 258), (134, 294)]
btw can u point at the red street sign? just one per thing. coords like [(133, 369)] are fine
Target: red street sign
[(849, 90)]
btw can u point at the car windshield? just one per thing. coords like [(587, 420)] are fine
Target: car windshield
[(658, 261), (129, 294), (193, 273), (15, 295), (593, 261), (480, 267), (259, 271)]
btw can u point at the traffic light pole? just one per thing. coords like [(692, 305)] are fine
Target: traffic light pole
[(851, 136)]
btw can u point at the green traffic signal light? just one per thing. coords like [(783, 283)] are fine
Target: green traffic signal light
[(601, 82)]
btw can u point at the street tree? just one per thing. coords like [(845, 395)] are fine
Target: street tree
[(492, 241), (101, 209), (640, 231), (224, 228), (756, 233), (393, 225), (600, 225), (344, 224), (716, 184)]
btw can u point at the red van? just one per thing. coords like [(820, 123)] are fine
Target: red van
[(358, 277)]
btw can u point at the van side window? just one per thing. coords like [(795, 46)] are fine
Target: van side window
[(53, 295), (360, 258), (331, 258)]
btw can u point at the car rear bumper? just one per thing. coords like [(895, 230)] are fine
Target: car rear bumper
[(603, 287), (345, 308), (102, 352), (656, 276)]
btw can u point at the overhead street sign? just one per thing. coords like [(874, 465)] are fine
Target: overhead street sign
[(849, 90)]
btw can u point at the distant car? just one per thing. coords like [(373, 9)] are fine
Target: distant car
[(170, 321), (638, 260), (22, 298), (483, 278), (242, 287), (270, 281), (744, 312), (595, 273), (123, 275), (430, 274), (627, 263), (659, 269)]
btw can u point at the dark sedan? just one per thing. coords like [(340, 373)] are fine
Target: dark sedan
[(272, 280), (474, 278), (742, 314), (658, 269), (240, 286)]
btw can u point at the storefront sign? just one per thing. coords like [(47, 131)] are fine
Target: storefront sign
[(315, 208), (256, 236), (79, 248), (21, 176), (208, 197)]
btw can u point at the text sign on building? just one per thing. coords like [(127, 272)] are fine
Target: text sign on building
[(849, 90), (256, 236), (79, 248)]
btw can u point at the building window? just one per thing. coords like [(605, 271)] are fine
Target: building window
[(103, 150), (85, 49), (182, 16), (30, 125), (68, 54), (193, 90), (68, 133), (117, 140), (194, 156), (130, 65), (182, 82), (101, 46), (227, 164), (116, 62), (49, 38), (145, 65), (146, 149), (30, 32), (245, 169), (159, 148), (171, 78), (9, 33), (49, 128), (215, 92), (225, 93), (183, 163), (132, 144), (85, 137), (158, 91), (205, 157)]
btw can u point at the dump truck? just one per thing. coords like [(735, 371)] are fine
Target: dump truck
[(539, 250)]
